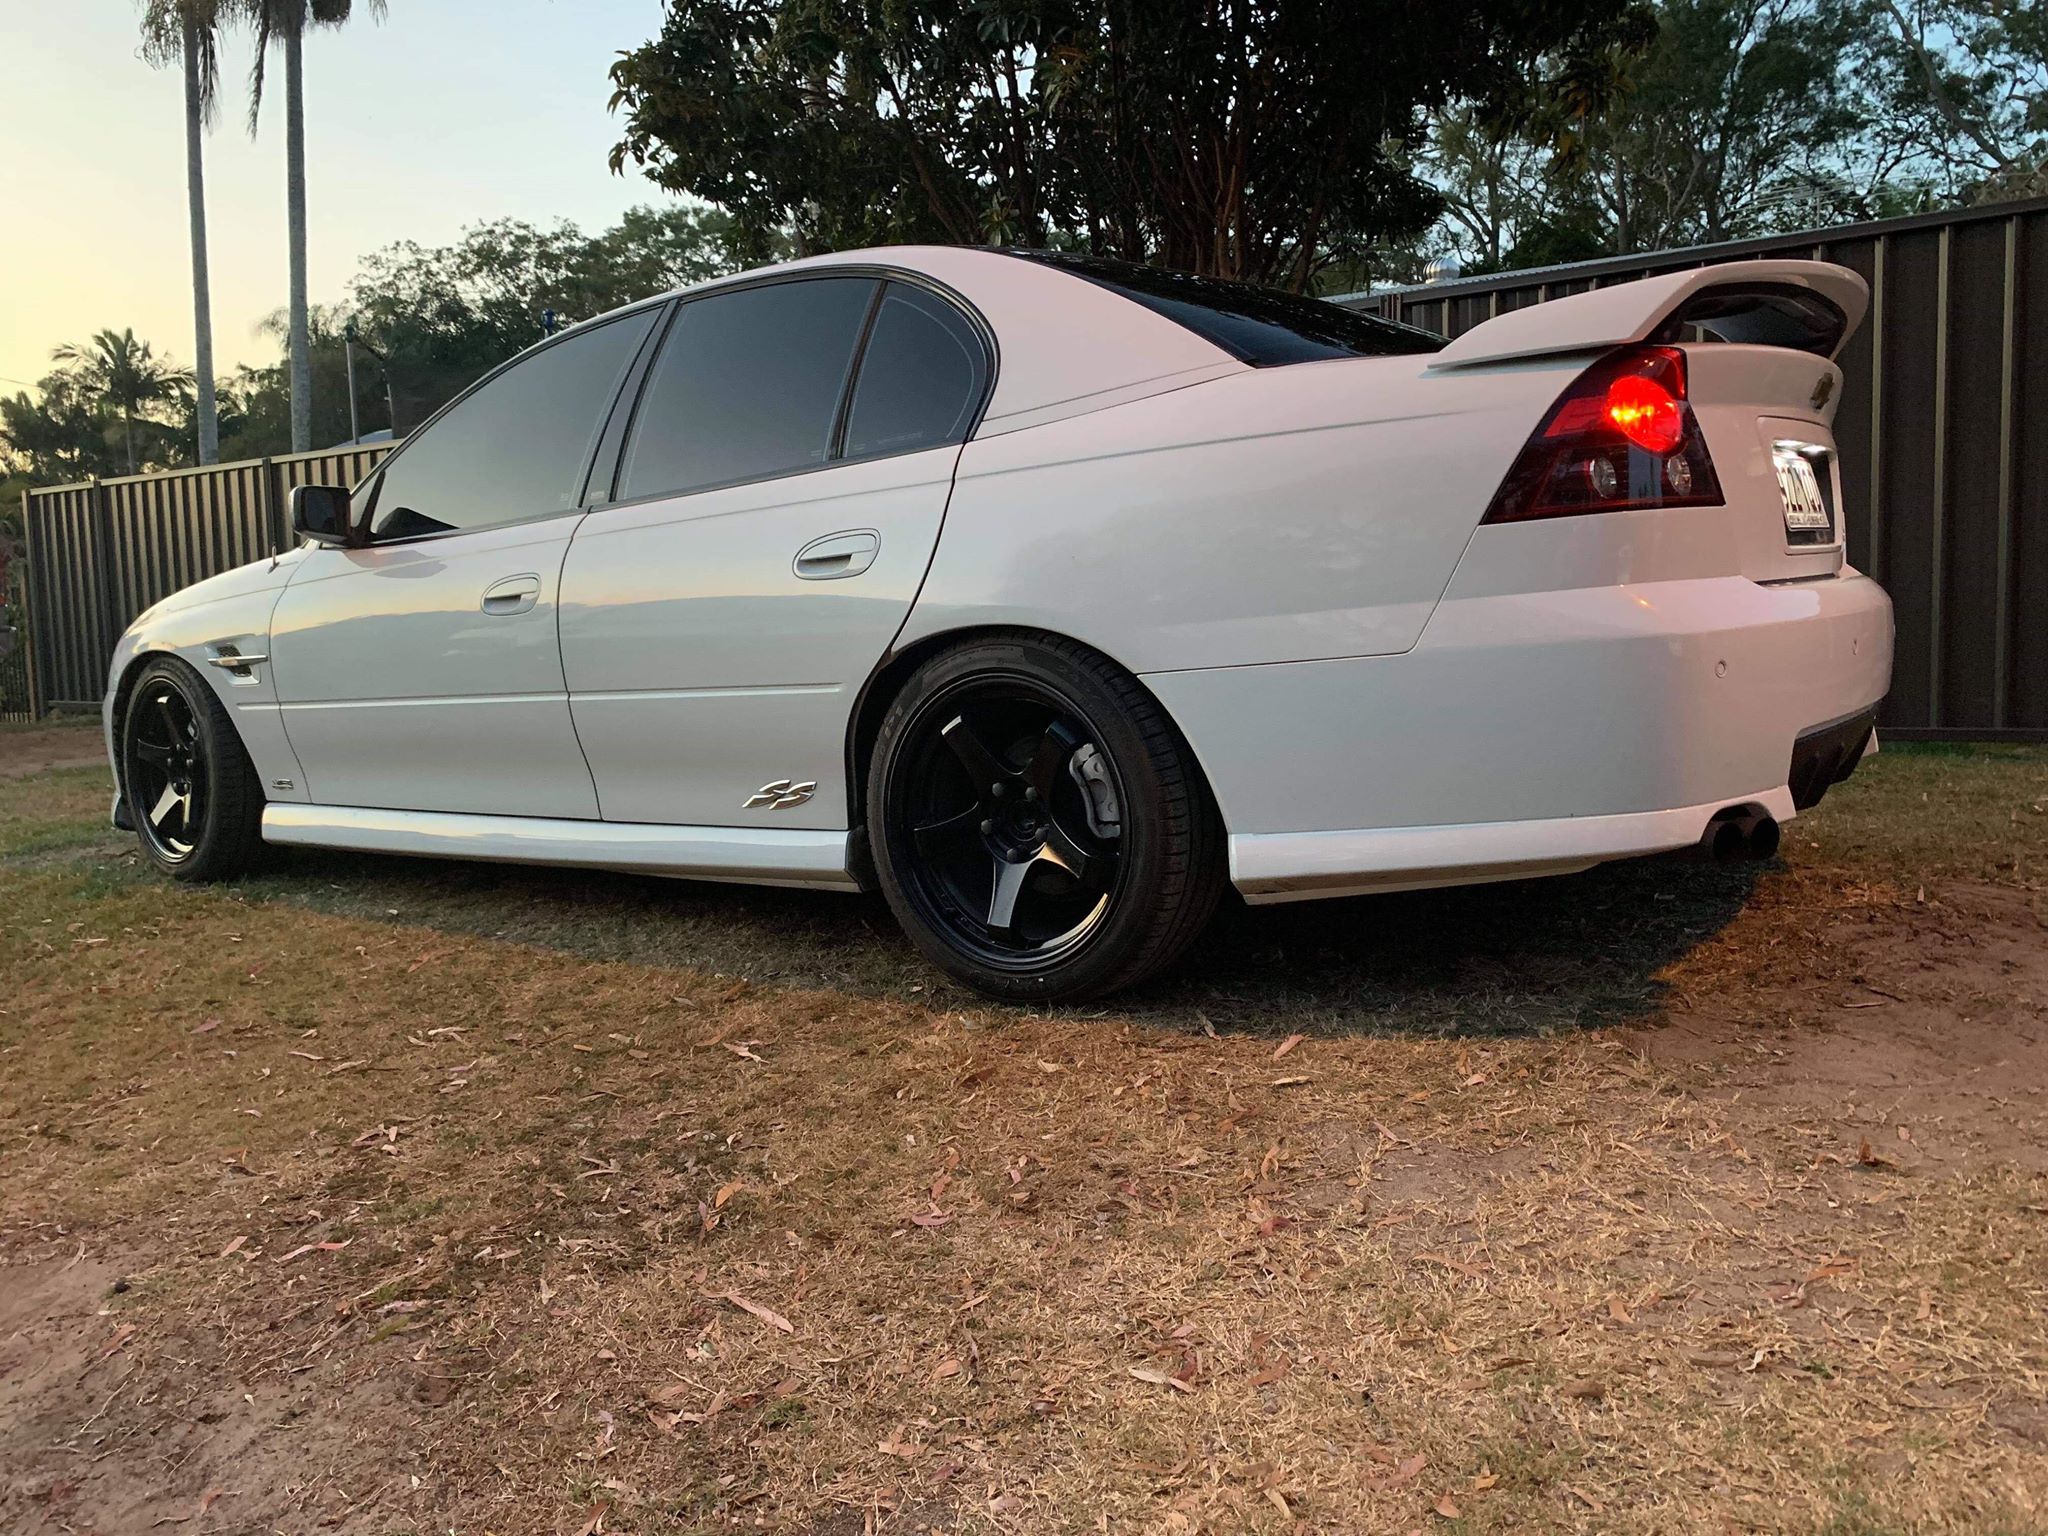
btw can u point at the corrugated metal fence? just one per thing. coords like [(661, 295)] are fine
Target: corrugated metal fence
[(1943, 432), (102, 551)]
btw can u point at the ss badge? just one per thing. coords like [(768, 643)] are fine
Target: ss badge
[(780, 795)]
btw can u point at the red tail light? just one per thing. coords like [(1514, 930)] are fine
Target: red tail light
[(1623, 437)]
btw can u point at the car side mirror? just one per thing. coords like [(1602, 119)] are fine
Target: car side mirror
[(321, 513)]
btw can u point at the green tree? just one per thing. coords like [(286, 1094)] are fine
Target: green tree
[(60, 432), (187, 32), (1246, 138), (127, 376), (259, 422), (442, 316), (1968, 86), (1742, 117), (283, 24)]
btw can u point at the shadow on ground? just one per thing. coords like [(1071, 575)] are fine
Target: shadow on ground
[(1508, 958)]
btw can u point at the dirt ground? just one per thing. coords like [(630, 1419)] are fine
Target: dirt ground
[(376, 1196), (72, 741)]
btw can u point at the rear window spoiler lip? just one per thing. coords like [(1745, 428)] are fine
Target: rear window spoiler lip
[(1635, 312)]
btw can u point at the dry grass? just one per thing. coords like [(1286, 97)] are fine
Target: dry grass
[(695, 1209)]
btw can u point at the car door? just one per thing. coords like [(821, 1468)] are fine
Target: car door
[(776, 508), (423, 671)]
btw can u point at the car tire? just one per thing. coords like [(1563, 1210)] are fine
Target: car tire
[(193, 795), (1038, 825)]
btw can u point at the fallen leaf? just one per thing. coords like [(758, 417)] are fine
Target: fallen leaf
[(946, 1368), (1870, 1159), (234, 1246), (767, 1315), (726, 1192), (1159, 1378), (305, 1248), (1279, 1503), (1591, 1388), (1408, 1471), (1287, 1045), (595, 1523), (1447, 1507), (1618, 1310), (1271, 1373)]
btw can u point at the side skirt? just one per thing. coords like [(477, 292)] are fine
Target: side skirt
[(751, 855)]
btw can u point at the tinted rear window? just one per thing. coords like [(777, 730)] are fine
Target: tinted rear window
[(1260, 326), (920, 379)]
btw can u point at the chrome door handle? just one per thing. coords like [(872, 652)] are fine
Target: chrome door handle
[(515, 594), (838, 554)]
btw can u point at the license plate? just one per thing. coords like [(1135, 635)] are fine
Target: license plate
[(1799, 467)]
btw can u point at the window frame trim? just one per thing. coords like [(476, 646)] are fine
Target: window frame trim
[(882, 274), (630, 380)]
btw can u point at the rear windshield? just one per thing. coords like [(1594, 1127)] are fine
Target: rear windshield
[(1260, 326)]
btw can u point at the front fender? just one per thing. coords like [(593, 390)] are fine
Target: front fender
[(206, 625)]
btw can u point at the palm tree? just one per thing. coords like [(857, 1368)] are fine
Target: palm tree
[(123, 372), (189, 32), (284, 22)]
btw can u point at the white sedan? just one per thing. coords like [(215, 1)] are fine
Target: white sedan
[(1051, 595)]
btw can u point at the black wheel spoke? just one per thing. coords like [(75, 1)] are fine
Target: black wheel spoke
[(170, 800), (1048, 758), (981, 764), (1067, 853), (155, 755), (1002, 901), (951, 836)]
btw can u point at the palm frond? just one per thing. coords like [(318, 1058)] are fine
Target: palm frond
[(167, 25)]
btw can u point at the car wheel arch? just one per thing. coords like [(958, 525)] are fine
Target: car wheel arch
[(124, 691), (895, 669)]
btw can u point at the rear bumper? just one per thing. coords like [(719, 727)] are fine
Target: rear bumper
[(1538, 732)]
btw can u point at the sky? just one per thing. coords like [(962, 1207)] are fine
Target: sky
[(446, 113)]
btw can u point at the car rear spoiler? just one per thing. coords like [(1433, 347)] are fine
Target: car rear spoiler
[(1809, 305)]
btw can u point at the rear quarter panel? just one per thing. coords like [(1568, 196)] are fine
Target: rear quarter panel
[(1296, 513)]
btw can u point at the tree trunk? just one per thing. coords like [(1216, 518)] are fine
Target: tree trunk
[(202, 299), (128, 435), (295, 213)]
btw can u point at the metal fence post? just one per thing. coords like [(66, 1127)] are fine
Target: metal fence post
[(273, 503), (111, 624), (26, 618)]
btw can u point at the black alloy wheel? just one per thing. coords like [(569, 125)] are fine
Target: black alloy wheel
[(193, 795), (1035, 822), (1015, 857), (167, 772)]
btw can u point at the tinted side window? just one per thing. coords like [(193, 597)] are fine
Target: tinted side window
[(920, 378), (515, 448), (747, 385)]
